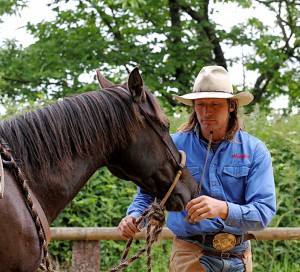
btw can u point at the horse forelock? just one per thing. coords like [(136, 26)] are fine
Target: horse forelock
[(93, 123), (157, 109)]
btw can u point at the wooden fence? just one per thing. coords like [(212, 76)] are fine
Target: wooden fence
[(87, 242)]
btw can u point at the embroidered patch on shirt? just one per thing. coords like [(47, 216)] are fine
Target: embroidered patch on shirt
[(243, 156)]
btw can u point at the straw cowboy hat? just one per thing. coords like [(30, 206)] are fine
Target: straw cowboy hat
[(214, 82)]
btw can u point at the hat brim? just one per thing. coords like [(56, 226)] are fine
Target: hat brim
[(243, 98)]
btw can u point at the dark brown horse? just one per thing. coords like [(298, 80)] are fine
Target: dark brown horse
[(59, 147)]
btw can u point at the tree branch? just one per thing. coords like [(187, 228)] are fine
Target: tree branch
[(209, 29)]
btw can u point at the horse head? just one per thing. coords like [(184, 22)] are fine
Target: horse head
[(151, 160)]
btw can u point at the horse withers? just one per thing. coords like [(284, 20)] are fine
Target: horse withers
[(57, 148)]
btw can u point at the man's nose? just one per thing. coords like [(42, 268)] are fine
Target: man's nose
[(207, 110)]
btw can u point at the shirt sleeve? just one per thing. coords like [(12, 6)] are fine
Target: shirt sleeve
[(260, 197), (140, 203)]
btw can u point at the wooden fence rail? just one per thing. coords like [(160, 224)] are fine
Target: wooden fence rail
[(86, 247)]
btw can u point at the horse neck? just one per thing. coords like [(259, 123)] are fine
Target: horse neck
[(61, 159), (61, 187)]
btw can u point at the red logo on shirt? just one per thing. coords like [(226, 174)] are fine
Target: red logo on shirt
[(243, 156)]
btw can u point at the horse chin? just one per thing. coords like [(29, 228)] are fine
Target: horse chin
[(175, 204)]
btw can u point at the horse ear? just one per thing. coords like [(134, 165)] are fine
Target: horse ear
[(135, 85), (103, 82)]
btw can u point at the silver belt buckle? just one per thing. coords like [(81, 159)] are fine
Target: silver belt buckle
[(224, 241)]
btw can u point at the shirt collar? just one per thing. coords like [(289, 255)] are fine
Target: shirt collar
[(197, 131)]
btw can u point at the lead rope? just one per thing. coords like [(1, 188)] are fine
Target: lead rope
[(9, 160), (155, 215), (205, 163), (155, 221), (188, 218)]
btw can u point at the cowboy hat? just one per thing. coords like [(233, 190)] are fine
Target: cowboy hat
[(214, 82)]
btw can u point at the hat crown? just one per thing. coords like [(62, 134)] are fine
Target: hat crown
[(214, 82), (213, 79)]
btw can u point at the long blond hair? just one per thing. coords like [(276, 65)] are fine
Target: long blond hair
[(234, 124)]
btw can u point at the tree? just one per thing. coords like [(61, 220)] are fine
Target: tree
[(11, 6), (170, 40)]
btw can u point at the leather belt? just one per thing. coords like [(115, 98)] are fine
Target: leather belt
[(223, 255), (209, 239)]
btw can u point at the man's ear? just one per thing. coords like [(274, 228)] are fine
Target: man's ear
[(232, 105)]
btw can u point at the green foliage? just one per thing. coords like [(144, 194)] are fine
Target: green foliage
[(281, 135), (11, 7), (170, 41)]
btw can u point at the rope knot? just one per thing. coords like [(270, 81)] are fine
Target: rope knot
[(155, 218), (156, 215)]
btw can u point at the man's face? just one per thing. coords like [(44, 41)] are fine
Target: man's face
[(212, 115)]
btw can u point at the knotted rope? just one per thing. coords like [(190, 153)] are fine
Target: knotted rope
[(9, 161), (155, 221)]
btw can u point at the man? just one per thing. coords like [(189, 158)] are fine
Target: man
[(235, 182)]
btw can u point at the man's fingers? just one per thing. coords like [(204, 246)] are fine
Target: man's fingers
[(191, 203), (127, 227)]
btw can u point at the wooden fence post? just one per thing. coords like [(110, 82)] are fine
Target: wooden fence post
[(86, 256)]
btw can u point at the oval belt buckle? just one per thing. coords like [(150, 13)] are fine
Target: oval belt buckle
[(224, 241)]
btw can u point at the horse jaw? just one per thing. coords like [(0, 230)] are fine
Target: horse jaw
[(102, 81)]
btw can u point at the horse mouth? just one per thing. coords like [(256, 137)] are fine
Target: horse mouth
[(175, 203)]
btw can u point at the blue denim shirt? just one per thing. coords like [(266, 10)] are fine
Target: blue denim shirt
[(239, 172)]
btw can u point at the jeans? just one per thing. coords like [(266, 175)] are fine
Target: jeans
[(187, 256), (214, 264)]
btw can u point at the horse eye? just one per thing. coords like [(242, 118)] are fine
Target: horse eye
[(166, 126)]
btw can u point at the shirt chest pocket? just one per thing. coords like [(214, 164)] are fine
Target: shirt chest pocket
[(234, 179), (236, 172), (195, 171)]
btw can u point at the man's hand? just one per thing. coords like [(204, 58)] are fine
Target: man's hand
[(204, 207), (127, 227)]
